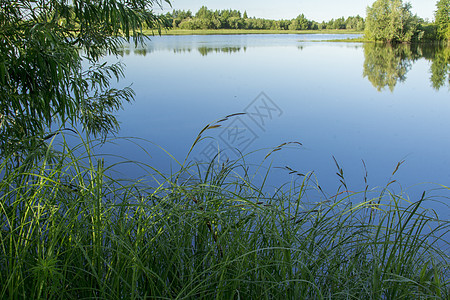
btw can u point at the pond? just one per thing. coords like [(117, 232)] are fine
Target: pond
[(368, 107)]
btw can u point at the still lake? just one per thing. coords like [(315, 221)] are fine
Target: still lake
[(351, 101)]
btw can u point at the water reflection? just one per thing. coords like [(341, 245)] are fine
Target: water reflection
[(387, 65), (140, 51), (206, 50), (384, 65), (328, 105), (182, 51), (203, 50), (440, 68)]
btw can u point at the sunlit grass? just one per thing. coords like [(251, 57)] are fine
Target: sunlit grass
[(69, 230)]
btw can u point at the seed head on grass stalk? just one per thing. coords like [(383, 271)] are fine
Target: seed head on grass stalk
[(70, 229)]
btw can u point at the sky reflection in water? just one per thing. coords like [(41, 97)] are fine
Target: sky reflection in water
[(345, 100)]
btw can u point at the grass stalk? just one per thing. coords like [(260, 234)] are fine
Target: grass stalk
[(71, 230)]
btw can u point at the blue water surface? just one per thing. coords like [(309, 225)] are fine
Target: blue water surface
[(305, 91)]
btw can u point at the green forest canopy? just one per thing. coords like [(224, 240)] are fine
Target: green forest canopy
[(205, 18), (386, 20)]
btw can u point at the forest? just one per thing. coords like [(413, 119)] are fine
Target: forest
[(386, 20), (205, 18)]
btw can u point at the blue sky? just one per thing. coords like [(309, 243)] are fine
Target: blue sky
[(317, 10)]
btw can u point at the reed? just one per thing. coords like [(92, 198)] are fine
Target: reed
[(70, 229)]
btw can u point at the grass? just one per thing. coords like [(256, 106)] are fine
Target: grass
[(247, 31), (71, 230)]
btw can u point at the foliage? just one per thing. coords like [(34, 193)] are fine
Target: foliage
[(357, 23), (300, 23), (390, 21), (234, 19), (70, 231), (426, 33), (50, 65), (443, 19)]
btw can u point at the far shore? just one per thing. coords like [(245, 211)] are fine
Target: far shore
[(174, 32), (248, 31)]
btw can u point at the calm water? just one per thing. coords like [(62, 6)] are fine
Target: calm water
[(351, 101)]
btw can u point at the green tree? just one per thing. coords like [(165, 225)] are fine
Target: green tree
[(355, 23), (339, 23), (443, 19), (300, 23), (203, 13), (179, 16), (284, 24), (236, 23), (42, 45), (390, 21)]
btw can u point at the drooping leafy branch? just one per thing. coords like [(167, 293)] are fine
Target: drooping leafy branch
[(50, 68)]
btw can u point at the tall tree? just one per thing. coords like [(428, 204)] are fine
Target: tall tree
[(300, 23), (443, 19), (42, 45), (390, 21)]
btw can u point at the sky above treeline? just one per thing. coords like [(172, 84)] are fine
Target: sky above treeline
[(317, 10)]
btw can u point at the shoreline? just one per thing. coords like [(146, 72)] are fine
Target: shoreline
[(184, 32), (246, 31)]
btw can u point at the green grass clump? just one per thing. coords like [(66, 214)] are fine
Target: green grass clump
[(70, 230)]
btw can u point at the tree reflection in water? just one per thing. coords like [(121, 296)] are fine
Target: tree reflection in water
[(386, 65)]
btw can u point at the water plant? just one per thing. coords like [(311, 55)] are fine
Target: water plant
[(72, 229)]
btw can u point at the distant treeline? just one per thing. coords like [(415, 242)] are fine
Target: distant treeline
[(234, 19), (388, 21)]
